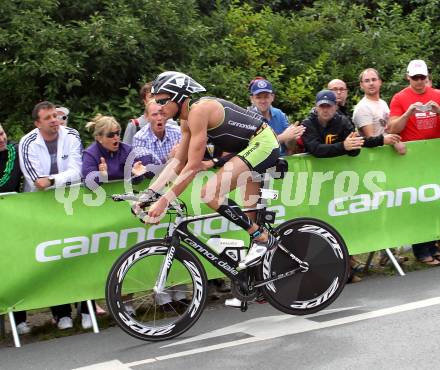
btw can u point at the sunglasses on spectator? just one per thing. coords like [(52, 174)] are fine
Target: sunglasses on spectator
[(163, 101), (418, 78), (64, 118), (112, 134), (339, 89)]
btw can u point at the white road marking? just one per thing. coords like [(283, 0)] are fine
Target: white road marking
[(265, 328), (256, 327)]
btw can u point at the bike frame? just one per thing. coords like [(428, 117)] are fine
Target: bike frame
[(224, 264), (178, 232)]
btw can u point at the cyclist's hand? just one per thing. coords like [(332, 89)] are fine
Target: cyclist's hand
[(147, 197), (157, 211), (206, 165)]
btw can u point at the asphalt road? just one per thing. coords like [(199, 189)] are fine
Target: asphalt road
[(380, 323)]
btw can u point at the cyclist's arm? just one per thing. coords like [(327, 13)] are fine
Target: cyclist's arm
[(197, 125), (176, 164)]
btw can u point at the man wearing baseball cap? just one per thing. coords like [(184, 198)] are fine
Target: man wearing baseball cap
[(262, 97), (414, 111), (415, 115), (330, 134)]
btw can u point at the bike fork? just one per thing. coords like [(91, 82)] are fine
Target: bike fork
[(163, 272)]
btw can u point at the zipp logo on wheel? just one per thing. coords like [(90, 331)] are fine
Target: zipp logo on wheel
[(325, 234), (318, 300)]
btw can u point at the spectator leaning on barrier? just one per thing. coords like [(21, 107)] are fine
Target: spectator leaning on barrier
[(262, 97), (136, 124), (50, 155), (415, 114), (159, 138), (10, 180), (105, 159), (10, 173), (371, 114), (330, 134)]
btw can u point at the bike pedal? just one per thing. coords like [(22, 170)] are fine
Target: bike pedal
[(244, 306)]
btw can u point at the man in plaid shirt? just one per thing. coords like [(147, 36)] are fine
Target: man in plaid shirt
[(157, 139)]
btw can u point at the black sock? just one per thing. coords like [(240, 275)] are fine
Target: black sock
[(233, 213)]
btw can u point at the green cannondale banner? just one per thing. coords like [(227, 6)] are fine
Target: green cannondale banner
[(58, 246)]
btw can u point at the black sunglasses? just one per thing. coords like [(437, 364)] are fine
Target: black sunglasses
[(111, 135), (62, 117), (418, 78), (163, 101)]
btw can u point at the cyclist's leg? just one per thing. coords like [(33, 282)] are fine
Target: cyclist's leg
[(236, 174)]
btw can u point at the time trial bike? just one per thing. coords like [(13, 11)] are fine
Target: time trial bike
[(158, 288)]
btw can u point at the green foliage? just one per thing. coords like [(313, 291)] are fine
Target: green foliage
[(93, 55)]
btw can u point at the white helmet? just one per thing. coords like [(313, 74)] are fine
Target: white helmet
[(178, 85)]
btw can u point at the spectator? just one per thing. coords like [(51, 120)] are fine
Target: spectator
[(136, 124), (10, 179), (63, 115), (414, 114), (262, 97), (107, 154), (158, 139), (371, 114), (50, 155), (330, 134), (340, 89), (10, 173)]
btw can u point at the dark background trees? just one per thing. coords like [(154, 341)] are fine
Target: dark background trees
[(92, 56)]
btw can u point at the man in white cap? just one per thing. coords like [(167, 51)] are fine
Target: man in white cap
[(414, 111), (414, 114)]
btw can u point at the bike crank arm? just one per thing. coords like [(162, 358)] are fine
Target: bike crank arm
[(259, 284)]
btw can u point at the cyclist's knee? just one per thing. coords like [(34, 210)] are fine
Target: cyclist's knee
[(210, 197)]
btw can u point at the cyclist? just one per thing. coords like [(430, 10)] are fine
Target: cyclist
[(230, 128)]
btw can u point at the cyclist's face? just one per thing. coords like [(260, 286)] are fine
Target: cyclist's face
[(262, 101), (48, 122), (169, 108), (156, 118), (3, 139)]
